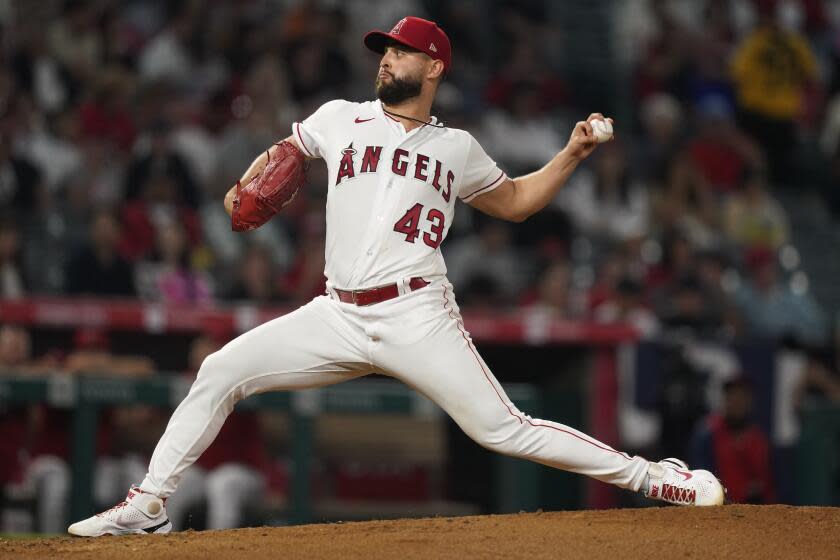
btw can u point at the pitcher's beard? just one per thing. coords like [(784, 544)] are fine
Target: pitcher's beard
[(397, 90)]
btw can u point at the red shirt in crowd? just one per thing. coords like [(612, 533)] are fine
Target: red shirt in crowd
[(742, 460)]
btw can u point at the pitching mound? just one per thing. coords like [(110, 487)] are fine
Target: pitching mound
[(726, 532)]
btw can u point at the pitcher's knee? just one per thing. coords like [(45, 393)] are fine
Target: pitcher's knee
[(501, 439), (212, 366), (217, 374)]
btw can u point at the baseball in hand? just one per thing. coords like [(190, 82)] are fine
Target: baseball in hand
[(602, 129)]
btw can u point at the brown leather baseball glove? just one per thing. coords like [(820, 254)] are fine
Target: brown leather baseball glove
[(267, 193)]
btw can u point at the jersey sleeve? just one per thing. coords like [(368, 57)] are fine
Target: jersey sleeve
[(311, 133), (481, 174)]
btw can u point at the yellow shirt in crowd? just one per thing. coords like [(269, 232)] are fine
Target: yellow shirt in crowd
[(770, 70)]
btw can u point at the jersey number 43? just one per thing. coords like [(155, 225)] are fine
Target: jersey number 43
[(409, 224)]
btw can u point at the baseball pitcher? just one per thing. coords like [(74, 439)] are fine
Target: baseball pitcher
[(395, 173)]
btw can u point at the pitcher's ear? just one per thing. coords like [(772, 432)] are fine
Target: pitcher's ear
[(436, 70)]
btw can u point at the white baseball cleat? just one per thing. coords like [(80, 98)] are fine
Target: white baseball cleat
[(141, 513), (670, 480)]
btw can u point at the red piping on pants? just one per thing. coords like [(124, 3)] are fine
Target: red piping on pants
[(487, 377)]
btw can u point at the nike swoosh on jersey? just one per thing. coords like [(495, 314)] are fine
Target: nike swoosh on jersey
[(358, 120)]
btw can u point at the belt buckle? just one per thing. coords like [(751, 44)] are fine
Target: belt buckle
[(358, 293)]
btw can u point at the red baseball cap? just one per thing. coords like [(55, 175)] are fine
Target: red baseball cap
[(417, 33)]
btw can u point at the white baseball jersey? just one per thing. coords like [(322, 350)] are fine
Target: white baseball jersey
[(391, 196)]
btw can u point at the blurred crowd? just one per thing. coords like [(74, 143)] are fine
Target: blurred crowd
[(122, 125)]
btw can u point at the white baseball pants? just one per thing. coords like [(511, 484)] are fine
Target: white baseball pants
[(418, 338)]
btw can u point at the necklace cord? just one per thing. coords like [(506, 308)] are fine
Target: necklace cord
[(427, 123)]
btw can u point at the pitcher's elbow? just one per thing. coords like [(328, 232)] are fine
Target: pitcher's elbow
[(520, 216)]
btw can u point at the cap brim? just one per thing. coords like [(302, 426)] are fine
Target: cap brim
[(377, 40)]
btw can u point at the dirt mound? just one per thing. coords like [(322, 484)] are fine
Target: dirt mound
[(724, 532)]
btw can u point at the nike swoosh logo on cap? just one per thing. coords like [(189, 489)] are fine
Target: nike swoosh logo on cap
[(358, 120)]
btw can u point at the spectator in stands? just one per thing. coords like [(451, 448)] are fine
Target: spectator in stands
[(609, 270), (489, 252), (169, 275), (101, 176), (55, 147), (162, 159), (628, 307), (16, 353), (75, 39), (543, 237), (12, 276), (719, 151), (305, 278), (106, 111), (38, 71), (256, 122), (607, 203), (521, 133), (21, 184), (555, 298), (167, 57), (663, 136), (732, 445), (75, 211), (773, 69), (753, 218), (680, 393), (228, 247), (713, 45), (665, 64), (256, 279), (46, 235), (318, 69), (526, 67), (483, 294), (195, 124), (714, 271), (92, 355), (685, 202), (771, 309), (229, 476), (158, 207), (98, 269), (686, 303), (677, 260)]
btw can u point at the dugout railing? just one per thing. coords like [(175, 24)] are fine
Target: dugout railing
[(516, 481)]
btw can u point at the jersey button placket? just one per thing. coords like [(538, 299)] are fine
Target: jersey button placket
[(385, 204), (376, 236)]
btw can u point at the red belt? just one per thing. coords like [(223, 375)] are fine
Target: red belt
[(378, 294)]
